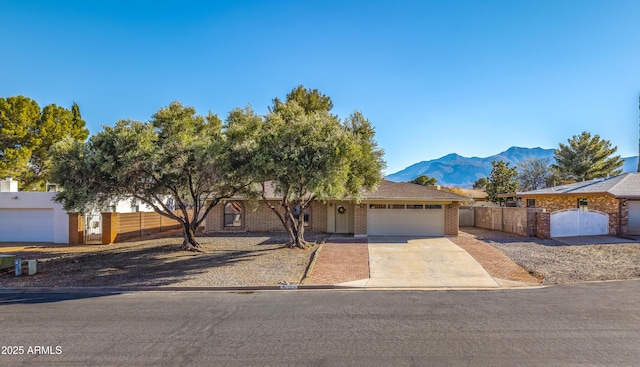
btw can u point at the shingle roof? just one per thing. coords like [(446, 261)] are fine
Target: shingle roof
[(407, 191), (626, 185), (388, 190)]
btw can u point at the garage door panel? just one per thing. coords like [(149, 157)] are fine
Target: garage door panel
[(26, 225), (634, 216), (576, 222), (409, 222)]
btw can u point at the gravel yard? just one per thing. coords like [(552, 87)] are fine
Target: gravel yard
[(255, 259), (559, 263)]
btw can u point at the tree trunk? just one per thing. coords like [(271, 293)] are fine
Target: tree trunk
[(189, 243), (296, 235)]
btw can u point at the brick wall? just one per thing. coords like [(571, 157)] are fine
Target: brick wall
[(618, 214), (605, 204), (451, 220), (623, 228), (543, 225), (263, 219), (360, 220)]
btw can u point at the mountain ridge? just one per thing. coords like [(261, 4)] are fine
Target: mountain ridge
[(459, 171)]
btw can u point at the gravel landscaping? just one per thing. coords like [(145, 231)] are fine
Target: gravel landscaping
[(558, 263), (256, 259)]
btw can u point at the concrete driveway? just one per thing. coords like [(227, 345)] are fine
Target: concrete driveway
[(433, 262)]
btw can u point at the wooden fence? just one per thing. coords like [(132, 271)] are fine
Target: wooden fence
[(520, 221)]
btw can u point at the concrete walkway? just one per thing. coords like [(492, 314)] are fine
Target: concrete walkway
[(403, 262)]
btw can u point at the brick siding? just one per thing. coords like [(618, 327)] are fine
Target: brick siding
[(262, 219), (618, 213), (451, 220), (360, 220)]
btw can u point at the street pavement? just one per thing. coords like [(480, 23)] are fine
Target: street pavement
[(596, 324)]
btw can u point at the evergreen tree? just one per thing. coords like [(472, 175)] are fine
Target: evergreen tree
[(502, 180), (586, 157), (424, 180)]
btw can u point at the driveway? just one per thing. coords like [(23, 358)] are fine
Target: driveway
[(433, 262)]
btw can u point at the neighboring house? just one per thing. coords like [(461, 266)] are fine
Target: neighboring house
[(31, 216), (596, 207), (479, 197), (395, 208), (35, 217)]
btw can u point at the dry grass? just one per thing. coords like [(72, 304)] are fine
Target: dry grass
[(226, 260)]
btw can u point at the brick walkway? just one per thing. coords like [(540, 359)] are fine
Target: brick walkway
[(497, 264), (340, 262)]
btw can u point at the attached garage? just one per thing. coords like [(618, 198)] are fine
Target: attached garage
[(634, 217), (576, 222), (406, 219), (32, 225)]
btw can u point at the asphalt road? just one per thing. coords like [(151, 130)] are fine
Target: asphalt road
[(571, 325)]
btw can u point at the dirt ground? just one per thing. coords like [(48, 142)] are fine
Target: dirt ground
[(227, 260)]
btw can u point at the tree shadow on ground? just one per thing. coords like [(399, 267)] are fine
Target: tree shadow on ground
[(160, 265)]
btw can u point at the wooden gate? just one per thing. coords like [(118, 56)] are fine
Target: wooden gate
[(576, 222)]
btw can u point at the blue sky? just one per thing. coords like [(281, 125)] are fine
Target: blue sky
[(434, 77)]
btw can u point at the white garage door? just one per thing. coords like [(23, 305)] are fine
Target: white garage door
[(574, 222), (26, 225), (405, 220), (634, 216)]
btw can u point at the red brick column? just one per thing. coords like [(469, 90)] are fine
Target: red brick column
[(543, 225), (360, 220), (109, 228), (451, 219)]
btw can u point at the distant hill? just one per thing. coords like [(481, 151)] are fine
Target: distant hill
[(458, 171)]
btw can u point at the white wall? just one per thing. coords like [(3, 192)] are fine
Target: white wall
[(39, 200)]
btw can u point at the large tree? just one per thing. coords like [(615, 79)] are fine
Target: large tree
[(424, 180), (480, 183), (26, 135), (534, 173), (196, 160), (586, 157), (502, 180), (307, 154)]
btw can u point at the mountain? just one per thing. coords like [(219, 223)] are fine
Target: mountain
[(458, 171)]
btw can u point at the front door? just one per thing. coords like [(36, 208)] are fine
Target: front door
[(344, 218)]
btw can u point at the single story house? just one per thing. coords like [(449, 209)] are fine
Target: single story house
[(604, 206), (394, 208)]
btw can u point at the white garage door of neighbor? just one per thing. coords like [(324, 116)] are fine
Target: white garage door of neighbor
[(634, 216), (403, 221), (575, 222), (26, 225)]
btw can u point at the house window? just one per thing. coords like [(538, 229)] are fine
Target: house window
[(296, 214), (582, 204), (377, 206), (433, 206), (531, 203), (233, 214), (415, 206), (396, 206)]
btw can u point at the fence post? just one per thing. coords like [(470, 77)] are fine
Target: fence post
[(76, 229), (109, 228)]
